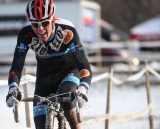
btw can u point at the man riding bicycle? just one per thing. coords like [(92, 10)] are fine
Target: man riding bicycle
[(61, 62)]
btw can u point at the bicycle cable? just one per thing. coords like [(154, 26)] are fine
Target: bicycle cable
[(47, 98)]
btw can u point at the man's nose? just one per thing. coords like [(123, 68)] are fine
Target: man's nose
[(40, 27)]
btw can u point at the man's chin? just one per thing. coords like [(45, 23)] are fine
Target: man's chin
[(43, 39)]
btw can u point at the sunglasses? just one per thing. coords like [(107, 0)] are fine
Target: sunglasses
[(42, 23)]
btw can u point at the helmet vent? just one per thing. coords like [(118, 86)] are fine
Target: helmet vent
[(38, 4), (38, 14), (40, 10)]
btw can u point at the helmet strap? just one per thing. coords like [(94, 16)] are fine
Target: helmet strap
[(54, 19)]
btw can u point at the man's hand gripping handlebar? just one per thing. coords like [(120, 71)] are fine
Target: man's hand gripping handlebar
[(52, 99)]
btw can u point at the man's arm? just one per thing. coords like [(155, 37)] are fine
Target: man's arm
[(20, 52), (81, 61), (14, 95)]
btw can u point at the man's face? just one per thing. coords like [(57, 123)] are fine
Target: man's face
[(43, 29)]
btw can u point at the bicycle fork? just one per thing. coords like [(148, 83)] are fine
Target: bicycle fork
[(61, 119), (50, 116), (51, 113)]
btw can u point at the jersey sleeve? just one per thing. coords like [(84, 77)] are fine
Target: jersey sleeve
[(80, 60), (19, 56)]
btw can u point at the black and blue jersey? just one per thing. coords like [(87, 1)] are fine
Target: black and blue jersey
[(61, 56)]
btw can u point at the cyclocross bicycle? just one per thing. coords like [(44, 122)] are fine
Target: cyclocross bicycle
[(53, 109)]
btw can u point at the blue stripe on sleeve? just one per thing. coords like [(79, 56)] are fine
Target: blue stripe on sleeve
[(72, 79), (13, 84), (85, 83)]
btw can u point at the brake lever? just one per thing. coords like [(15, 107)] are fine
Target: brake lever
[(78, 110)]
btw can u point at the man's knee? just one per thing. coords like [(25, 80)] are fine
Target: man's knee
[(71, 117)]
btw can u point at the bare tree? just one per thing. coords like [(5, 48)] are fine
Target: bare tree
[(125, 14)]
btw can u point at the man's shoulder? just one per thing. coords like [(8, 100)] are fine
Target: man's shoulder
[(26, 32), (64, 22), (26, 29)]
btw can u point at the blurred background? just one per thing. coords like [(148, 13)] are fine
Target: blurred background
[(121, 34)]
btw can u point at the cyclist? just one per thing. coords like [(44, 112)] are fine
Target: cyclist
[(61, 62)]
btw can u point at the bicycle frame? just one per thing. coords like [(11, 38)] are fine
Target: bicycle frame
[(53, 110)]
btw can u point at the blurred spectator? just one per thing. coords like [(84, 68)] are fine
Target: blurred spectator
[(107, 31)]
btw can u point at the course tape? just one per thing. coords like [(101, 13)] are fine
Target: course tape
[(153, 72), (118, 118), (134, 77), (24, 79), (122, 117)]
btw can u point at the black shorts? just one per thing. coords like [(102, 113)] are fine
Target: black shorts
[(53, 83)]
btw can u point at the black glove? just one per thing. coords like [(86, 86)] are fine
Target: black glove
[(14, 96)]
